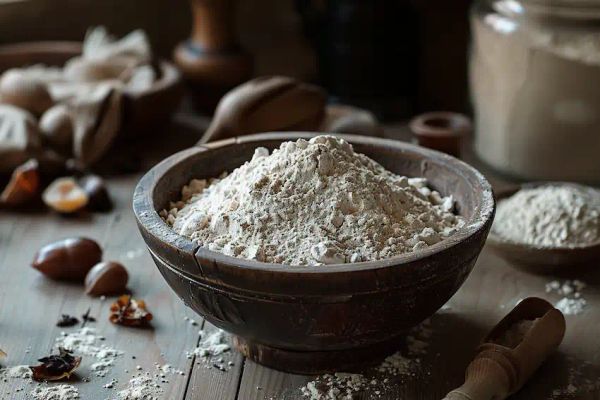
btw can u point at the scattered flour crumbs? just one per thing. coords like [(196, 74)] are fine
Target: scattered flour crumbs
[(572, 302), (86, 342), (344, 386), (312, 203), (100, 358)]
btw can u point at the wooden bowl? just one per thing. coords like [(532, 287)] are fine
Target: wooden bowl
[(542, 260), (142, 113), (307, 319)]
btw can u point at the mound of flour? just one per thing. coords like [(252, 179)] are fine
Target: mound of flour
[(312, 203), (550, 216)]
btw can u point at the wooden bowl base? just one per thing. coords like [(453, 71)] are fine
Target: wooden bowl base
[(317, 362)]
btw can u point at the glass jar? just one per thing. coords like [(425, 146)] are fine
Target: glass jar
[(535, 87)]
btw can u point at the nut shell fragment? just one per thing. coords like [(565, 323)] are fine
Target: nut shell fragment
[(270, 103), (99, 199), (68, 259), (55, 367), (19, 137), (24, 185), (106, 278), (129, 312), (65, 196), (97, 120)]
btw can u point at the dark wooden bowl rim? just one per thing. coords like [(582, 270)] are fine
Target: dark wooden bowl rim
[(148, 217)]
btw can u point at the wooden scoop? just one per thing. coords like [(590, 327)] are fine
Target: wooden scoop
[(500, 370)]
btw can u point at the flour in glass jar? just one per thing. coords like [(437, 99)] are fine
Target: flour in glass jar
[(313, 202)]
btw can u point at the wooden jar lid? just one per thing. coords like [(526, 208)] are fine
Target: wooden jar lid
[(442, 131)]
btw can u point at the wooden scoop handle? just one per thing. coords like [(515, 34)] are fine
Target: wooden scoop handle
[(497, 370)]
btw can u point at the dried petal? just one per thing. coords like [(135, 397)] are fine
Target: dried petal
[(56, 367), (100, 45), (87, 317), (67, 320), (65, 196), (24, 185), (129, 312), (2, 353)]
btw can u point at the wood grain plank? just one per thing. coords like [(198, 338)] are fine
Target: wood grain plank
[(44, 300), (208, 382), (260, 382)]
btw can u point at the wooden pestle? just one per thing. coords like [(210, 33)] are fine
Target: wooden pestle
[(211, 59), (499, 371)]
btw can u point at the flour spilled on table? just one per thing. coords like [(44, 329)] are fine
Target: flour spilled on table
[(572, 302), (86, 342), (313, 202), (398, 366), (98, 357), (58, 392), (211, 349)]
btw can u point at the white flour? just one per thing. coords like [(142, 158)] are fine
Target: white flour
[(550, 216), (312, 203), (58, 392), (515, 334), (343, 386), (573, 302), (142, 387), (19, 371), (211, 350), (86, 341)]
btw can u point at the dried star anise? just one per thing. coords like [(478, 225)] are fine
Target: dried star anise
[(129, 312), (87, 318), (67, 320), (55, 367)]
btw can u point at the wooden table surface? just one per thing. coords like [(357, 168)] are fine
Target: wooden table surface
[(30, 306)]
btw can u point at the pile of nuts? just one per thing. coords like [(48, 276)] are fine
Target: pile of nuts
[(54, 120), (80, 259)]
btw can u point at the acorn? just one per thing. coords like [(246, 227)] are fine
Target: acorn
[(68, 259), (106, 278), (270, 103), (57, 128), (28, 93)]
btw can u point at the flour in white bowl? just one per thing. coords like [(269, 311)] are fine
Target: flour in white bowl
[(312, 203), (550, 216)]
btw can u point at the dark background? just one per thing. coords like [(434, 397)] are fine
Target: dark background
[(396, 57)]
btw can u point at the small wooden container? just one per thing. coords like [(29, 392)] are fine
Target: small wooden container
[(442, 131)]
